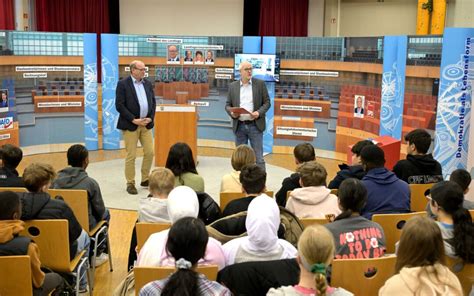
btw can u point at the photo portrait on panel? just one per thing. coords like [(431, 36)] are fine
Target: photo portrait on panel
[(188, 57), (173, 54), (209, 57), (4, 100), (359, 102), (199, 58)]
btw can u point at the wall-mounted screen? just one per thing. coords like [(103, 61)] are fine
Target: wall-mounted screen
[(265, 66)]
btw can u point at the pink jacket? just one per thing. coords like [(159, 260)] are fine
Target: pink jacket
[(312, 202)]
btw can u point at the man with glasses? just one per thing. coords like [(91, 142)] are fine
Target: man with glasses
[(135, 103), (250, 94), (173, 53)]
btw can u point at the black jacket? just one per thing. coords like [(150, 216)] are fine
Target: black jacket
[(346, 172), (256, 278), (419, 169), (209, 210), (237, 206), (126, 103), (41, 206), (10, 178), (290, 183)]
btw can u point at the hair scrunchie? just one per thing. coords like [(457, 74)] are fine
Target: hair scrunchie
[(319, 268), (183, 264)]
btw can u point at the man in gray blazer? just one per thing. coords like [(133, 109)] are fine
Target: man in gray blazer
[(252, 95)]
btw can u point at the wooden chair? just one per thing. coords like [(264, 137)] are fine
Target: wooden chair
[(77, 200), (14, 189), (472, 214), (418, 200), (52, 238), (227, 197), (15, 275), (464, 272), (310, 221), (145, 229), (144, 275), (362, 276), (392, 226)]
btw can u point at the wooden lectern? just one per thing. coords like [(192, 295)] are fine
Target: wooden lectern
[(174, 123)]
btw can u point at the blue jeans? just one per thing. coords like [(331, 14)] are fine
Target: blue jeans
[(249, 132), (83, 243)]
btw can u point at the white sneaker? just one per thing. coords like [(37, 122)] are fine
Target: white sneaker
[(101, 259)]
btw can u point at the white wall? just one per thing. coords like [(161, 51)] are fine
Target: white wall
[(371, 18), (460, 14), (316, 18), (182, 17)]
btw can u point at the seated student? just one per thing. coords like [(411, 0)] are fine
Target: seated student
[(187, 243), (262, 242), (353, 171), (253, 180), (420, 269), (38, 204), (181, 162), (454, 221), (11, 158), (386, 193), (314, 200), (463, 179), (75, 177), (154, 208), (241, 156), (352, 196), (303, 152), (315, 254), (420, 167), (12, 244), (182, 202)]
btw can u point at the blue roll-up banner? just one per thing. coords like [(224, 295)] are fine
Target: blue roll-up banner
[(393, 85), (251, 44), (91, 114), (269, 47), (109, 46), (454, 99)]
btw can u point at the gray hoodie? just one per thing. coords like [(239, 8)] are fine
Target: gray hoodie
[(77, 178)]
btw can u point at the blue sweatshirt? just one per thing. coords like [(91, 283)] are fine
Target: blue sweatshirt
[(386, 193)]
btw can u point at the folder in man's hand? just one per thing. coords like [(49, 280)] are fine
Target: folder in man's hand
[(239, 110)]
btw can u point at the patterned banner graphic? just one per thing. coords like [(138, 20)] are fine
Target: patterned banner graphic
[(393, 86), (91, 113), (109, 47), (454, 99)]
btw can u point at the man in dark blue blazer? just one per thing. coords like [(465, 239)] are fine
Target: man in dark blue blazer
[(136, 104)]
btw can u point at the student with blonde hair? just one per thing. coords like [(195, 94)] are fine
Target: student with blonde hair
[(315, 253), (241, 156), (153, 208), (314, 199), (420, 268)]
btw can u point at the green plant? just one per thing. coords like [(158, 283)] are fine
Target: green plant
[(428, 6)]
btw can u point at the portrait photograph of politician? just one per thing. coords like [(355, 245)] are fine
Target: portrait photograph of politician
[(173, 54), (4, 97), (188, 57), (135, 103), (199, 59), (251, 94), (209, 57), (359, 106)]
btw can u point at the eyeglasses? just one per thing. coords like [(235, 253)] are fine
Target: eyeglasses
[(248, 69), (142, 69)]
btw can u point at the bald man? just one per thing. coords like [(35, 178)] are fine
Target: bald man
[(251, 94), (173, 53), (135, 103)]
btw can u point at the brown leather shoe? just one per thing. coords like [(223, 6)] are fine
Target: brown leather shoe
[(144, 183), (131, 189)]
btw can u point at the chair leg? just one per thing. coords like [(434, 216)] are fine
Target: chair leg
[(94, 254), (109, 252)]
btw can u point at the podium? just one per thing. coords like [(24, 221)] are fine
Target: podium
[(390, 146), (174, 123)]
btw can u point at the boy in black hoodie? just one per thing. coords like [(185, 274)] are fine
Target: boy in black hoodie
[(420, 167), (11, 157), (38, 204)]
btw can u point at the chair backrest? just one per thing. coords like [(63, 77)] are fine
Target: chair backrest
[(77, 200), (418, 200), (145, 229), (334, 191), (14, 189), (472, 214), (464, 272), (362, 276), (144, 275), (310, 221), (15, 275), (392, 226), (227, 197), (52, 239)]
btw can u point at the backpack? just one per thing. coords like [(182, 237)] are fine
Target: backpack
[(292, 226)]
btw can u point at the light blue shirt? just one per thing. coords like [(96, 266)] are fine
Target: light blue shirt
[(246, 99), (141, 95)]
